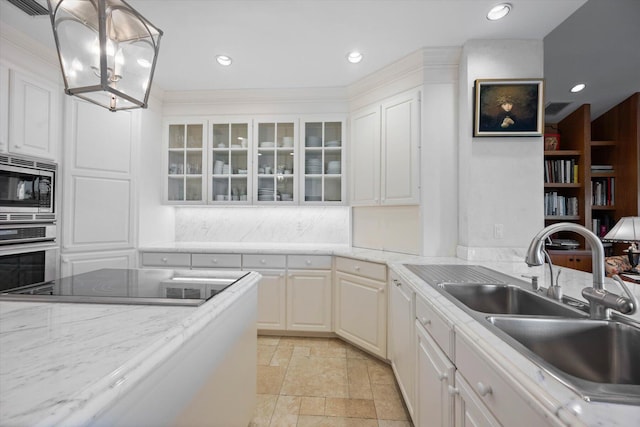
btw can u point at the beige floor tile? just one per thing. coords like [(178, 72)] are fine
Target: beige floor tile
[(380, 372), (304, 342), (316, 377), (352, 408), (312, 405), (394, 423), (266, 403), (328, 352), (356, 353), (270, 379), (268, 340), (281, 356), (265, 353), (318, 421), (358, 377), (389, 405), (301, 351), (286, 412)]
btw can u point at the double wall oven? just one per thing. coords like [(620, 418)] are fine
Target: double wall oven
[(28, 232)]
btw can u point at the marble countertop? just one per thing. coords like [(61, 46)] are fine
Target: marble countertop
[(58, 359), (557, 397)]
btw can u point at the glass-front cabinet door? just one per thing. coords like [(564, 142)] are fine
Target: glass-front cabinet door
[(275, 162), (322, 162), (230, 163), (185, 162)]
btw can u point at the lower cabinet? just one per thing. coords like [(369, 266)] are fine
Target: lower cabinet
[(401, 339), (435, 378), (470, 411), (309, 300), (272, 293), (360, 305)]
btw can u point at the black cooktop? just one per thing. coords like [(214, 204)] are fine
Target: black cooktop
[(130, 286)]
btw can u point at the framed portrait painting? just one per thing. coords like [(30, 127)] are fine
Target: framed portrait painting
[(508, 107)]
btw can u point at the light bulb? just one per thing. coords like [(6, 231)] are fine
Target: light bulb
[(499, 11)]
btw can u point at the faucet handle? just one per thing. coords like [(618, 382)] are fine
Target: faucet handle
[(534, 281), (625, 288)]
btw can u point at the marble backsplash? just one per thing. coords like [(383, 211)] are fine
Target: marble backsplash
[(253, 224)]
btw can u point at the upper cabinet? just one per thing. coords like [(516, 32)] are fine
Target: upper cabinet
[(185, 166), (230, 162), (275, 161), (385, 152), (29, 114), (221, 160), (322, 162)]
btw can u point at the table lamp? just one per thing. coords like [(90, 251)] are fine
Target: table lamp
[(627, 230)]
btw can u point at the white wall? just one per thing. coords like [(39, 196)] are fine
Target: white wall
[(156, 222), (500, 178)]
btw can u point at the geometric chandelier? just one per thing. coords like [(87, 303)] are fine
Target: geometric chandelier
[(107, 51)]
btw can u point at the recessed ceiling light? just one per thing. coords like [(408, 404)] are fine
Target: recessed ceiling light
[(354, 57), (578, 87), (499, 11), (223, 60)]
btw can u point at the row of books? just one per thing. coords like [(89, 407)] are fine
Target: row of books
[(603, 191), (563, 171), (558, 205), (601, 226)]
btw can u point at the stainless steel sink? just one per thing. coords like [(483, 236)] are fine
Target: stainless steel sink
[(505, 299), (599, 358)]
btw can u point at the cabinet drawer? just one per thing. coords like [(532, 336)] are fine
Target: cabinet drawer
[(216, 260), (166, 259), (500, 397), (264, 261), (437, 327), (362, 268), (320, 262)]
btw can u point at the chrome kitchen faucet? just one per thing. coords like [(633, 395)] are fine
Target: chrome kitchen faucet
[(600, 300)]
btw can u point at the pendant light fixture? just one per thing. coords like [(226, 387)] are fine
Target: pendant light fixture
[(107, 51)]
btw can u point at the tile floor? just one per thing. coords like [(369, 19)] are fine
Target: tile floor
[(324, 382)]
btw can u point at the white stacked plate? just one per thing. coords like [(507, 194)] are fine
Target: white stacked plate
[(265, 194), (332, 144), (333, 167), (225, 169), (314, 141), (313, 166), (267, 144), (286, 197), (217, 167)]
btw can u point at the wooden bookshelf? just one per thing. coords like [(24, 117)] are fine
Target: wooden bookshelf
[(611, 142)]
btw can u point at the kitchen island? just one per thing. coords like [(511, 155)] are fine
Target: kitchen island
[(109, 364)]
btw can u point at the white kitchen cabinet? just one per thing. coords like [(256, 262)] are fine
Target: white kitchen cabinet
[(98, 180), (385, 156), (435, 374), (72, 264), (360, 304), (401, 339), (230, 161), (185, 147), (4, 108), (30, 115), (275, 161), (365, 157), (322, 162), (470, 411), (309, 300), (272, 294)]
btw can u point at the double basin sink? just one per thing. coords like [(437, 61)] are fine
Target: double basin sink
[(596, 358)]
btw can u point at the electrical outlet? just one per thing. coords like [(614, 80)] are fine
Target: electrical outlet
[(498, 231)]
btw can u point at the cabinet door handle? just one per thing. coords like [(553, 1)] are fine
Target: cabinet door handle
[(425, 321), (453, 391), (483, 389), (357, 268), (262, 261), (397, 283), (308, 262), (164, 260), (215, 260), (443, 376)]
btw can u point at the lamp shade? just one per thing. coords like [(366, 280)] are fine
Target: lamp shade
[(107, 51), (625, 230)]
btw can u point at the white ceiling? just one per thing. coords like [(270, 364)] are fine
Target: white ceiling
[(303, 43)]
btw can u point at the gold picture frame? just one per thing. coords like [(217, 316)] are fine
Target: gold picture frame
[(511, 107)]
